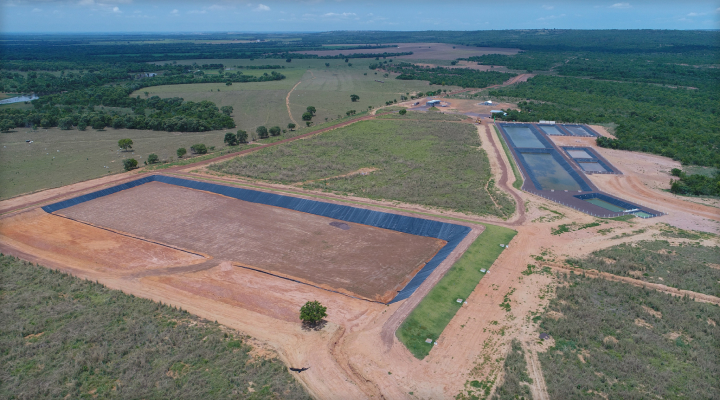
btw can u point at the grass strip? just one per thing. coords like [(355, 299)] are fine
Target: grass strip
[(518, 177), (193, 160), (431, 316)]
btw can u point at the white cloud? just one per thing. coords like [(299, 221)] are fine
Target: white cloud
[(261, 7), (694, 14), (175, 12), (197, 12), (116, 10), (550, 17), (345, 14), (86, 2), (621, 5), (548, 7)]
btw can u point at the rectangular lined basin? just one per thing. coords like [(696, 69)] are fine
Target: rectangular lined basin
[(549, 173), (579, 154), (523, 137), (592, 167), (604, 204), (578, 131), (551, 130)]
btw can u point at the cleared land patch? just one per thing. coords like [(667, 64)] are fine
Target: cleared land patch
[(362, 261), (433, 163)]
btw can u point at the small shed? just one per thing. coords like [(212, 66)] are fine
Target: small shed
[(487, 103), (433, 103)]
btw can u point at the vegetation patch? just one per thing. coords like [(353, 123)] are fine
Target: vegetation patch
[(677, 356), (572, 227), (515, 381), (431, 316), (433, 163), (687, 267), (63, 337)]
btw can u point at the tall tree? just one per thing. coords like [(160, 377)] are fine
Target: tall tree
[(125, 144), (354, 97), (262, 132), (230, 139), (275, 131)]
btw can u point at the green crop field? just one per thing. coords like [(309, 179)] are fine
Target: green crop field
[(431, 316), (635, 343), (686, 267), (63, 337), (433, 163), (58, 158)]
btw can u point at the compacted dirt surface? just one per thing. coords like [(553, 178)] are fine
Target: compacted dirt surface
[(356, 354), (356, 259)]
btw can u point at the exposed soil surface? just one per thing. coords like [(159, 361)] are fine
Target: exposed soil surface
[(363, 261)]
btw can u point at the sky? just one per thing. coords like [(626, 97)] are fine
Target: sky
[(48, 16)]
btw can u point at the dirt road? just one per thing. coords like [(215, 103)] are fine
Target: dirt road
[(287, 102)]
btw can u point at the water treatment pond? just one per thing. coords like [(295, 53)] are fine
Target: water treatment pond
[(551, 130), (592, 167), (578, 130), (579, 154), (604, 204), (549, 173), (523, 137)]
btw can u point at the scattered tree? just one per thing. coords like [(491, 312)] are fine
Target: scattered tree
[(262, 132), (308, 123), (230, 139), (291, 126), (402, 112), (181, 152), (275, 131), (130, 164), (312, 312), (98, 124), (242, 136), (288, 60), (153, 158), (311, 110), (198, 149), (125, 144), (327, 64), (354, 97), (227, 110), (307, 116)]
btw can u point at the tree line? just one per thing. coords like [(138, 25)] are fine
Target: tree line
[(463, 77)]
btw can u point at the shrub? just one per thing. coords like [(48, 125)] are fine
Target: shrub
[(402, 112), (153, 158), (231, 139), (181, 152), (275, 131), (198, 149), (242, 136), (130, 164), (262, 132)]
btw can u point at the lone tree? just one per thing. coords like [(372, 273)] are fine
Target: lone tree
[(275, 131), (262, 132), (125, 144), (130, 164), (312, 312), (181, 152), (231, 139), (153, 158), (354, 97), (291, 126), (402, 112), (242, 136), (311, 110)]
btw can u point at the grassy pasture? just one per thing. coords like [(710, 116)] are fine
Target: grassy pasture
[(432, 163), (27, 167), (431, 316), (636, 343), (687, 267), (63, 337)]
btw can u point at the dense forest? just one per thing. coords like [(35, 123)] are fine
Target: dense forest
[(675, 122)]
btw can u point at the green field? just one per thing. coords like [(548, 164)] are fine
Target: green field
[(432, 163), (635, 343), (328, 89), (431, 316), (686, 267), (55, 158), (63, 337)]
